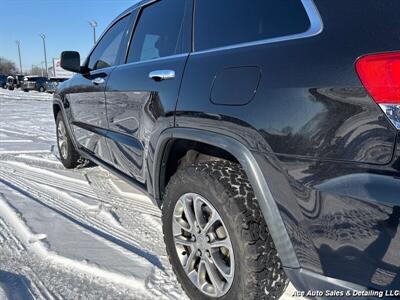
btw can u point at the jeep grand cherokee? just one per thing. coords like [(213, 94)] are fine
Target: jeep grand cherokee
[(267, 131)]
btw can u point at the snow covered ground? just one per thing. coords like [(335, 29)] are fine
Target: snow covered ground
[(71, 234)]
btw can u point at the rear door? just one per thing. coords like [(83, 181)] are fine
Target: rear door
[(141, 94), (87, 91)]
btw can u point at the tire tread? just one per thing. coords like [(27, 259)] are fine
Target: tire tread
[(264, 276)]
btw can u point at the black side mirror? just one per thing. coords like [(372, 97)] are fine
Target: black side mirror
[(71, 61)]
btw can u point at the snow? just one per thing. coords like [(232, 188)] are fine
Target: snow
[(69, 234), (19, 94)]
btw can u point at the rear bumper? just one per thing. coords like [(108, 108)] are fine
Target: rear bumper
[(343, 219)]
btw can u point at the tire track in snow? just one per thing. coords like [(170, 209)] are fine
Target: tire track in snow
[(112, 234), (105, 192), (134, 210), (13, 132), (93, 187), (49, 178), (8, 237), (36, 286)]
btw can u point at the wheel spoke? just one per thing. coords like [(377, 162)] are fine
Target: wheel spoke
[(211, 221), (201, 275), (63, 152), (184, 242), (189, 214), (189, 265), (202, 221), (182, 223), (214, 276), (198, 212), (221, 243), (194, 277), (224, 269)]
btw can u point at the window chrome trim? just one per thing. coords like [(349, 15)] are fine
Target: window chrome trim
[(316, 27), (156, 59)]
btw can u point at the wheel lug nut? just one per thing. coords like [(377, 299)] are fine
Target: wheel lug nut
[(208, 253), (208, 238), (198, 229), (199, 253), (193, 239)]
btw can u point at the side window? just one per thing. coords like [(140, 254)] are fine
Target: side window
[(106, 51), (222, 23), (163, 30)]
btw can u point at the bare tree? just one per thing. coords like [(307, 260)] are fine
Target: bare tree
[(36, 70), (7, 67)]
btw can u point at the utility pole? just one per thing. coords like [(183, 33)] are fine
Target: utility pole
[(42, 67), (93, 24), (19, 54), (44, 49)]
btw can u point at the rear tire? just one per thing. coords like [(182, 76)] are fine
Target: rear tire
[(41, 89), (70, 158), (258, 272)]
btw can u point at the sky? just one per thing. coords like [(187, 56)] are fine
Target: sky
[(64, 22)]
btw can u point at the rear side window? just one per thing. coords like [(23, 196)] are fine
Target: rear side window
[(162, 30), (106, 52), (221, 23)]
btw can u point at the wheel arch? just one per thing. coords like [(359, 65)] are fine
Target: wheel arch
[(245, 158), (56, 109)]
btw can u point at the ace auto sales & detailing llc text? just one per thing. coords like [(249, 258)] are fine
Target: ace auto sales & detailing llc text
[(348, 293)]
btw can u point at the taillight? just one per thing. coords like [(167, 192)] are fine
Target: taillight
[(380, 75)]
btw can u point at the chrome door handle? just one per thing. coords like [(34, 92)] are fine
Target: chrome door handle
[(160, 75), (98, 80)]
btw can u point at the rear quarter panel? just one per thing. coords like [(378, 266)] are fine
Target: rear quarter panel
[(311, 125)]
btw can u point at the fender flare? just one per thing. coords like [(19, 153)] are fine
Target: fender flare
[(60, 104), (260, 186)]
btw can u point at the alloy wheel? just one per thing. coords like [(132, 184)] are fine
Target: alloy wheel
[(62, 140), (203, 245)]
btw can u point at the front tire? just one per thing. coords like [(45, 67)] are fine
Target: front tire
[(246, 252), (69, 156), (41, 89)]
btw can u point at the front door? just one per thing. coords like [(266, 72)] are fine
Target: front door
[(86, 93), (141, 95)]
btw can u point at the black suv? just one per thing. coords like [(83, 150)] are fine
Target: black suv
[(3, 81), (267, 131)]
